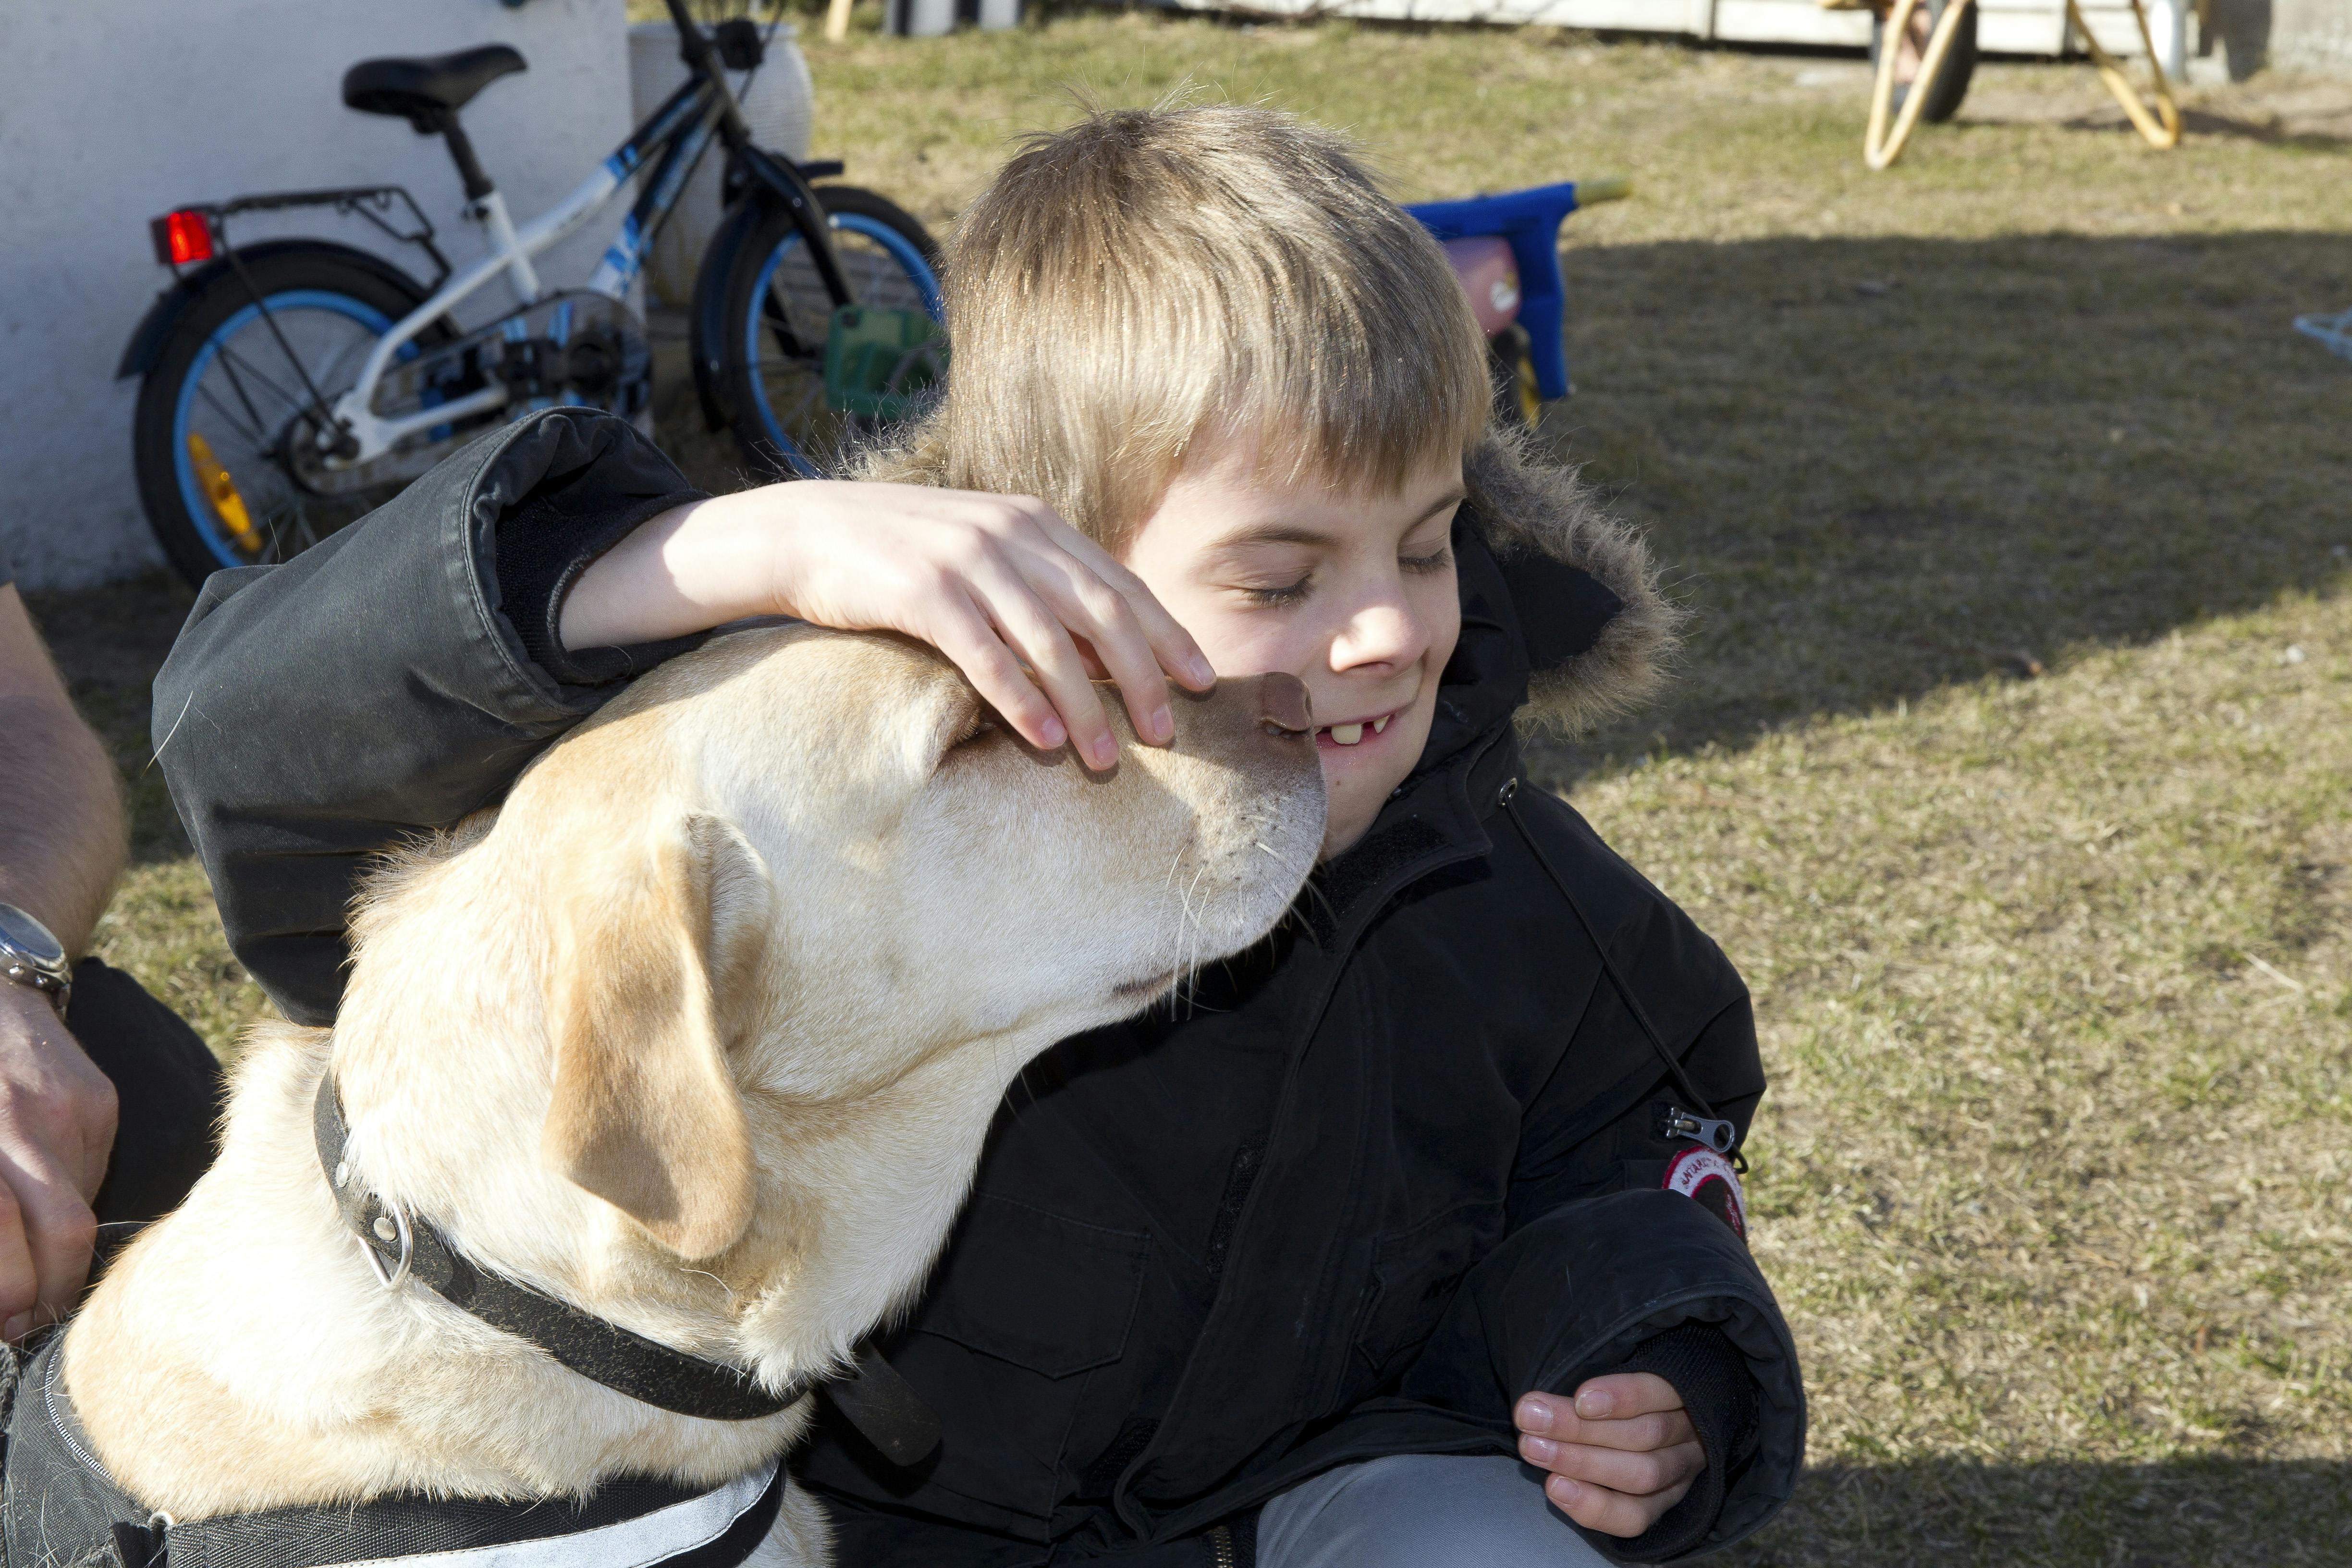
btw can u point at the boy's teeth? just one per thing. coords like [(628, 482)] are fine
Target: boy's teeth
[(1382, 723), (1347, 735)]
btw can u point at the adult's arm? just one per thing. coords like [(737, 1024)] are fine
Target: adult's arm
[(61, 841), (61, 837)]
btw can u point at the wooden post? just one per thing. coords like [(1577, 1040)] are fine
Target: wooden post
[(836, 21)]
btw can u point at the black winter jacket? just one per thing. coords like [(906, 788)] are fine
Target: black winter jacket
[(1352, 1198)]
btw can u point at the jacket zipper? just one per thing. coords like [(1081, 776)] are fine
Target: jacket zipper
[(1674, 1121), (1221, 1538)]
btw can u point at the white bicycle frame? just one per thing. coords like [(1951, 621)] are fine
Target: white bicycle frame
[(510, 253)]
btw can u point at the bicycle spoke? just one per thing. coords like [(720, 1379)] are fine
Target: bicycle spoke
[(777, 311), (257, 437), (229, 358)]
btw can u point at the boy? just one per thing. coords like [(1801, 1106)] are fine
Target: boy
[(1375, 1249)]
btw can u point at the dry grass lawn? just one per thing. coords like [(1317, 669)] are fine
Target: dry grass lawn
[(2012, 758)]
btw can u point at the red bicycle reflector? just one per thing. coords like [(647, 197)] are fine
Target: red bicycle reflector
[(181, 237)]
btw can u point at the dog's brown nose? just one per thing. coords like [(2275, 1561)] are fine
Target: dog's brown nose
[(1283, 706)]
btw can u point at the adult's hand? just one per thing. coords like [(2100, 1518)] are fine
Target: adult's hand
[(1618, 1455), (1029, 608), (57, 1129)]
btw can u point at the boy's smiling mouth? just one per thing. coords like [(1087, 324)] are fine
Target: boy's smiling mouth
[(1354, 733)]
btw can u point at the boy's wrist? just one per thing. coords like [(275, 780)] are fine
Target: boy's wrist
[(697, 565)]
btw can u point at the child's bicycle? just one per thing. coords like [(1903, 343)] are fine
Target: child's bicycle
[(294, 385), (1506, 250)]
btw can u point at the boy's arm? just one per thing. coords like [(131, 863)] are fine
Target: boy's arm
[(1627, 1313), (402, 673), (314, 714)]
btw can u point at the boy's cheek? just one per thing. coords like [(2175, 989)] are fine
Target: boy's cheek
[(1238, 644)]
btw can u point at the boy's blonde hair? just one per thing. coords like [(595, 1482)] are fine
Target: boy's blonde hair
[(1152, 285)]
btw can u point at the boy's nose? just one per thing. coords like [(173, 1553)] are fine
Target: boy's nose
[(1283, 705)]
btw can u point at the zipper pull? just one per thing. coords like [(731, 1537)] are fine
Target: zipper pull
[(1674, 1121)]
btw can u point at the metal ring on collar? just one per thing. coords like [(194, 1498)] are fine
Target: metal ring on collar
[(407, 1239)]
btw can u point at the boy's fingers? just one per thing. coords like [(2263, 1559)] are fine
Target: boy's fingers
[(1178, 654), (1032, 629), (1638, 1435), (1635, 1474), (1091, 609), (970, 641), (1549, 1416), (1625, 1393), (1610, 1512)]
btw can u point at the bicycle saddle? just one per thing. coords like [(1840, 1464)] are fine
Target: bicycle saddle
[(421, 87)]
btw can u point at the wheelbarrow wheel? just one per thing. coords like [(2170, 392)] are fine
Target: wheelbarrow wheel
[(1951, 84)]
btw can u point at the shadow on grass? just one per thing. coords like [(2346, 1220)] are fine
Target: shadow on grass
[(2269, 131), (2200, 1513), (1876, 467)]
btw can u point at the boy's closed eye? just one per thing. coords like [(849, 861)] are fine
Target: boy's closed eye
[(1291, 581)]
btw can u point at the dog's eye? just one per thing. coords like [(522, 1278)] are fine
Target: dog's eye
[(983, 725)]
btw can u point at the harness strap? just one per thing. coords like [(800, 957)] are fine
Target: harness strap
[(637, 1523), (871, 1396)]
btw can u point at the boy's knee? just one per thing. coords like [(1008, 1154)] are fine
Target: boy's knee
[(1420, 1510)]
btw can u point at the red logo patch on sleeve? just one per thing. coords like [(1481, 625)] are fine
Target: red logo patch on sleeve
[(1705, 1176)]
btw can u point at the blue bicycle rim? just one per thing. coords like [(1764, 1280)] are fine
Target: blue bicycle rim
[(901, 250), (199, 509)]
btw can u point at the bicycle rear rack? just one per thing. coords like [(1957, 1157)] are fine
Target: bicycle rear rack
[(376, 204)]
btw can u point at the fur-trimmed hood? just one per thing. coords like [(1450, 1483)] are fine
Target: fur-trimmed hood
[(1597, 635)]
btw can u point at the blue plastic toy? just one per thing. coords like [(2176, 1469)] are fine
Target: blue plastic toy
[(1532, 298)]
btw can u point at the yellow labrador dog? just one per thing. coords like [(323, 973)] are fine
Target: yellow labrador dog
[(697, 1036)]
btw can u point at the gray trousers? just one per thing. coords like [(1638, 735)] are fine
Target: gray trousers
[(1421, 1510)]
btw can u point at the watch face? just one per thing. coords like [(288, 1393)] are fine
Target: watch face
[(30, 936)]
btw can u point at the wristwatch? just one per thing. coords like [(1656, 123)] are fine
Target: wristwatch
[(30, 954)]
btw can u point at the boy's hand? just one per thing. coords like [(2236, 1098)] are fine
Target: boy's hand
[(1029, 608), (1620, 1455)]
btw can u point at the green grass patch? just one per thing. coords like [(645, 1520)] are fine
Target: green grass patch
[(2009, 758)]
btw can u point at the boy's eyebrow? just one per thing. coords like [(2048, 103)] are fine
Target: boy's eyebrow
[(1297, 533)]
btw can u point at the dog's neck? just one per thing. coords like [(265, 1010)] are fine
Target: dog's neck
[(243, 1355)]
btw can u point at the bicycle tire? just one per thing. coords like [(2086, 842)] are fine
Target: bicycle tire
[(187, 524), (1951, 83), (886, 249)]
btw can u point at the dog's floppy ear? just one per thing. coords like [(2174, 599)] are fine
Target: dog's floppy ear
[(649, 942)]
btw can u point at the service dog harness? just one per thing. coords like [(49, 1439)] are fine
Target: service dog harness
[(60, 1509)]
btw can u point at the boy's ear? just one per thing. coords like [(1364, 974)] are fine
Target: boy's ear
[(651, 943)]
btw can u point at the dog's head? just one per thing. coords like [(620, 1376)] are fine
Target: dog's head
[(799, 884)]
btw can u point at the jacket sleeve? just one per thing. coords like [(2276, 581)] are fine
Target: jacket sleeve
[(1607, 1269), (383, 683), (1617, 1283)]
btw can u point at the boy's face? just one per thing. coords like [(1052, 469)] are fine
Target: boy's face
[(1353, 593)]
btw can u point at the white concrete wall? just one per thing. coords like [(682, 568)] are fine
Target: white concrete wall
[(2313, 35), (114, 111)]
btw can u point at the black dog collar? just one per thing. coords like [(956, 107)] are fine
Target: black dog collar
[(400, 1247)]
